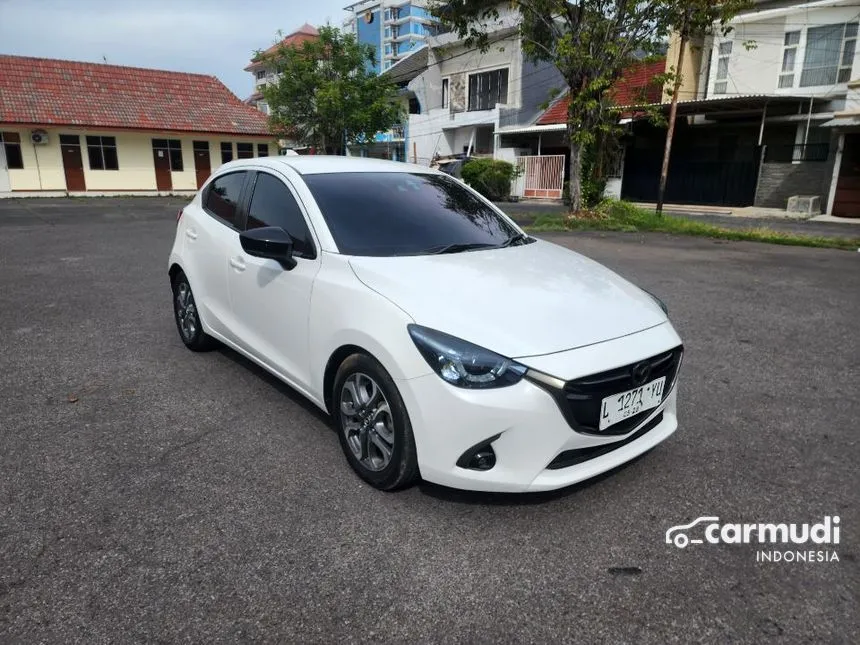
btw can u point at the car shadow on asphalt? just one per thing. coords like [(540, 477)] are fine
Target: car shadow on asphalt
[(436, 491), (447, 494), (294, 396)]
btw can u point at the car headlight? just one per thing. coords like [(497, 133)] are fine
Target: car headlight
[(463, 364)]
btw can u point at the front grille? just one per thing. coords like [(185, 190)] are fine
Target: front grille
[(570, 458), (580, 399)]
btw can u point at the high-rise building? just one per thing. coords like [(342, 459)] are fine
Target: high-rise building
[(392, 27)]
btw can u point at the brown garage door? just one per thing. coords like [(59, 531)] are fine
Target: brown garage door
[(846, 202)]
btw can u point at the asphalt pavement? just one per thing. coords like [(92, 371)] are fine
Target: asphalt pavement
[(150, 494)]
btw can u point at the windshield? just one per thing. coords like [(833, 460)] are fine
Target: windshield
[(401, 213)]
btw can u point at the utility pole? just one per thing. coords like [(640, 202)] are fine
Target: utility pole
[(673, 112)]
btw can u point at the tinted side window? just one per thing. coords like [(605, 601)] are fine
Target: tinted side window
[(274, 205), (222, 196)]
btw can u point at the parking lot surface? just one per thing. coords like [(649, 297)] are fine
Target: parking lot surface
[(150, 494)]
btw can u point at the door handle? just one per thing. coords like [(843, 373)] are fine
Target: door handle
[(237, 263), (190, 234)]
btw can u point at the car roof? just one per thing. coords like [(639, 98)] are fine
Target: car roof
[(320, 164)]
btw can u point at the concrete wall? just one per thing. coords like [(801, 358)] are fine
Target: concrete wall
[(43, 164), (536, 91), (690, 68), (457, 62), (779, 181)]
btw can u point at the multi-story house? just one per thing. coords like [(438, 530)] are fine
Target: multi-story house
[(469, 100), (765, 113), (261, 70), (392, 27)]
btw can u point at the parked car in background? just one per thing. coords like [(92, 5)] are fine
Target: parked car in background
[(443, 341)]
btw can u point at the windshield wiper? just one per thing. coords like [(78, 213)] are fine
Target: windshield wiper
[(457, 247), (516, 238)]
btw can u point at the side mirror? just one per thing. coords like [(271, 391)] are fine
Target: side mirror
[(271, 242)]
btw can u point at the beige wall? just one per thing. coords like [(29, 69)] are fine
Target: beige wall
[(43, 164), (690, 69)]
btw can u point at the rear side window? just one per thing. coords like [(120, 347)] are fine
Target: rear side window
[(274, 205), (222, 196)]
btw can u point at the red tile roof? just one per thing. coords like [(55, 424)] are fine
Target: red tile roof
[(42, 91), (303, 34), (636, 86)]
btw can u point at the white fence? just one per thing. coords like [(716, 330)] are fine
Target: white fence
[(539, 176)]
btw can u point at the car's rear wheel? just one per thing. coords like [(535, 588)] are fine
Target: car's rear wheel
[(188, 318), (373, 425)]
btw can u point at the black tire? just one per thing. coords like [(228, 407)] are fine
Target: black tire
[(188, 321), (402, 467)]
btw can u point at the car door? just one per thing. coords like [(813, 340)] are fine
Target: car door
[(270, 304), (212, 238)]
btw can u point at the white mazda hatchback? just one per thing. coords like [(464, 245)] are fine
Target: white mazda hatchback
[(443, 341)]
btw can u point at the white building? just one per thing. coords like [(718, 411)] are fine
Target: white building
[(469, 99), (765, 117)]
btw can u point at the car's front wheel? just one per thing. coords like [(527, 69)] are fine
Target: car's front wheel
[(373, 425), (188, 318)]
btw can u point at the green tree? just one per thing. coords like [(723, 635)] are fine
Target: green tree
[(590, 42), (327, 95)]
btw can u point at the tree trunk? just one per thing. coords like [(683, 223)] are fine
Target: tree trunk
[(575, 186), (673, 112)]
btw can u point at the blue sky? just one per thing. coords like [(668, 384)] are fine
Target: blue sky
[(204, 36)]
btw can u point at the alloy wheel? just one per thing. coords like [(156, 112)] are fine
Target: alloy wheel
[(186, 311), (366, 421)]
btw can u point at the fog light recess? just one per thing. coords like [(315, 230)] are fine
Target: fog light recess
[(481, 456)]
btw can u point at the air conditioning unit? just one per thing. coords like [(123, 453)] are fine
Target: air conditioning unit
[(39, 137)]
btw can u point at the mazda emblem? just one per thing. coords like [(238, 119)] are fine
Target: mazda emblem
[(640, 373)]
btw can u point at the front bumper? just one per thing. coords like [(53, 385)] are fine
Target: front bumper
[(534, 437)]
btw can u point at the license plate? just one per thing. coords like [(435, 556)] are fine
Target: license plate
[(624, 405)]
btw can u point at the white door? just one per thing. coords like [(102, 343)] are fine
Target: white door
[(271, 305), (211, 239), (4, 170)]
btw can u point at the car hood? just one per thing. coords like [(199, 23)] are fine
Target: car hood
[(518, 301)]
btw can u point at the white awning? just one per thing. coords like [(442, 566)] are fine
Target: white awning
[(555, 127), (842, 122)]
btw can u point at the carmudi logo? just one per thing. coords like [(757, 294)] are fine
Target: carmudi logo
[(709, 530)]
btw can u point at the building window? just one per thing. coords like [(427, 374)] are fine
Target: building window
[(488, 89), (261, 74), (388, 32), (445, 96), (386, 64), (102, 153), (789, 58), (724, 53), (262, 149), (174, 151), (244, 150), (263, 107), (226, 151), (829, 54), (12, 145)]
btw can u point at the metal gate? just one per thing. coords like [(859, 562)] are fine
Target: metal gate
[(539, 176), (697, 175)]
